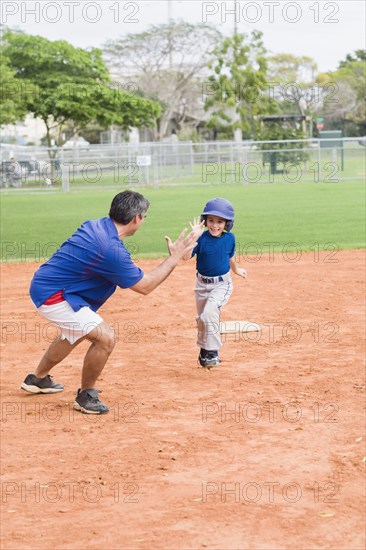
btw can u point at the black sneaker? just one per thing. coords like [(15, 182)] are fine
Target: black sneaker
[(33, 384), (209, 359), (87, 402)]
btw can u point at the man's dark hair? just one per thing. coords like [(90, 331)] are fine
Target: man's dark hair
[(126, 205)]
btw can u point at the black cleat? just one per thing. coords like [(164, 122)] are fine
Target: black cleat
[(33, 384), (210, 359), (87, 402)]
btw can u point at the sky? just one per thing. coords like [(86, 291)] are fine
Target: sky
[(326, 31)]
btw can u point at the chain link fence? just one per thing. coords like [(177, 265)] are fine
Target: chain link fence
[(178, 163)]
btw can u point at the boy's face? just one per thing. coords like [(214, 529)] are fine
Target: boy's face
[(215, 225)]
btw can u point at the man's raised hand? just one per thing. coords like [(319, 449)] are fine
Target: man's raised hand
[(183, 245)]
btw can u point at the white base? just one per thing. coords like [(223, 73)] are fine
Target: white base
[(238, 326)]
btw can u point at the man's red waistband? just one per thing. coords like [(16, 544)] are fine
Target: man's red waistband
[(56, 298)]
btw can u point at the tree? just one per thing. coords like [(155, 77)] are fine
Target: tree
[(70, 87), (278, 129), (235, 88), (343, 102), (165, 63), (293, 80), (12, 107), (359, 55)]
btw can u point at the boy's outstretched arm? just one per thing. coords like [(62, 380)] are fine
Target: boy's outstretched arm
[(197, 227)]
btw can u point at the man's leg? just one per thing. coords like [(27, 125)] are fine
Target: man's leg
[(40, 382), (58, 350), (103, 341)]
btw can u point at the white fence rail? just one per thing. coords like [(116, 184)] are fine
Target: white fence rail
[(226, 162)]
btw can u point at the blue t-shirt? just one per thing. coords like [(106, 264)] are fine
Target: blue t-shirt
[(87, 267), (213, 253)]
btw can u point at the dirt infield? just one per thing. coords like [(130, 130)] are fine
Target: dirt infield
[(264, 452)]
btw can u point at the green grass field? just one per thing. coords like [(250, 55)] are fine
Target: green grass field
[(320, 216)]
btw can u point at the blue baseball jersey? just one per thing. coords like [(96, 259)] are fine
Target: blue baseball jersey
[(87, 267), (213, 253)]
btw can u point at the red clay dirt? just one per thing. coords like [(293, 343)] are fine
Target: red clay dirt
[(265, 451)]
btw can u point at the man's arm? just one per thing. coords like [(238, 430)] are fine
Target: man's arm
[(181, 247)]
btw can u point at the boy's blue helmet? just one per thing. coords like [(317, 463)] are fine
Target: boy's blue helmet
[(222, 208)]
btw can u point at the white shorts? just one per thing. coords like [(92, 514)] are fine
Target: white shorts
[(73, 325)]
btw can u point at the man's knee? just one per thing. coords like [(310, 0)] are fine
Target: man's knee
[(108, 338), (104, 335)]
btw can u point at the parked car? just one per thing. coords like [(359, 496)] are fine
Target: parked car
[(14, 171)]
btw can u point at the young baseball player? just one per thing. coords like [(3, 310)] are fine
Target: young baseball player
[(214, 253)]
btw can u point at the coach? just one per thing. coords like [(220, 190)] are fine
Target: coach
[(75, 282)]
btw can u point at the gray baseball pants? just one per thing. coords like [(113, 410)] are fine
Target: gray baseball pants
[(210, 297)]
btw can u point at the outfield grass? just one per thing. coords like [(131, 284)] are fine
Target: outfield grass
[(310, 215)]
